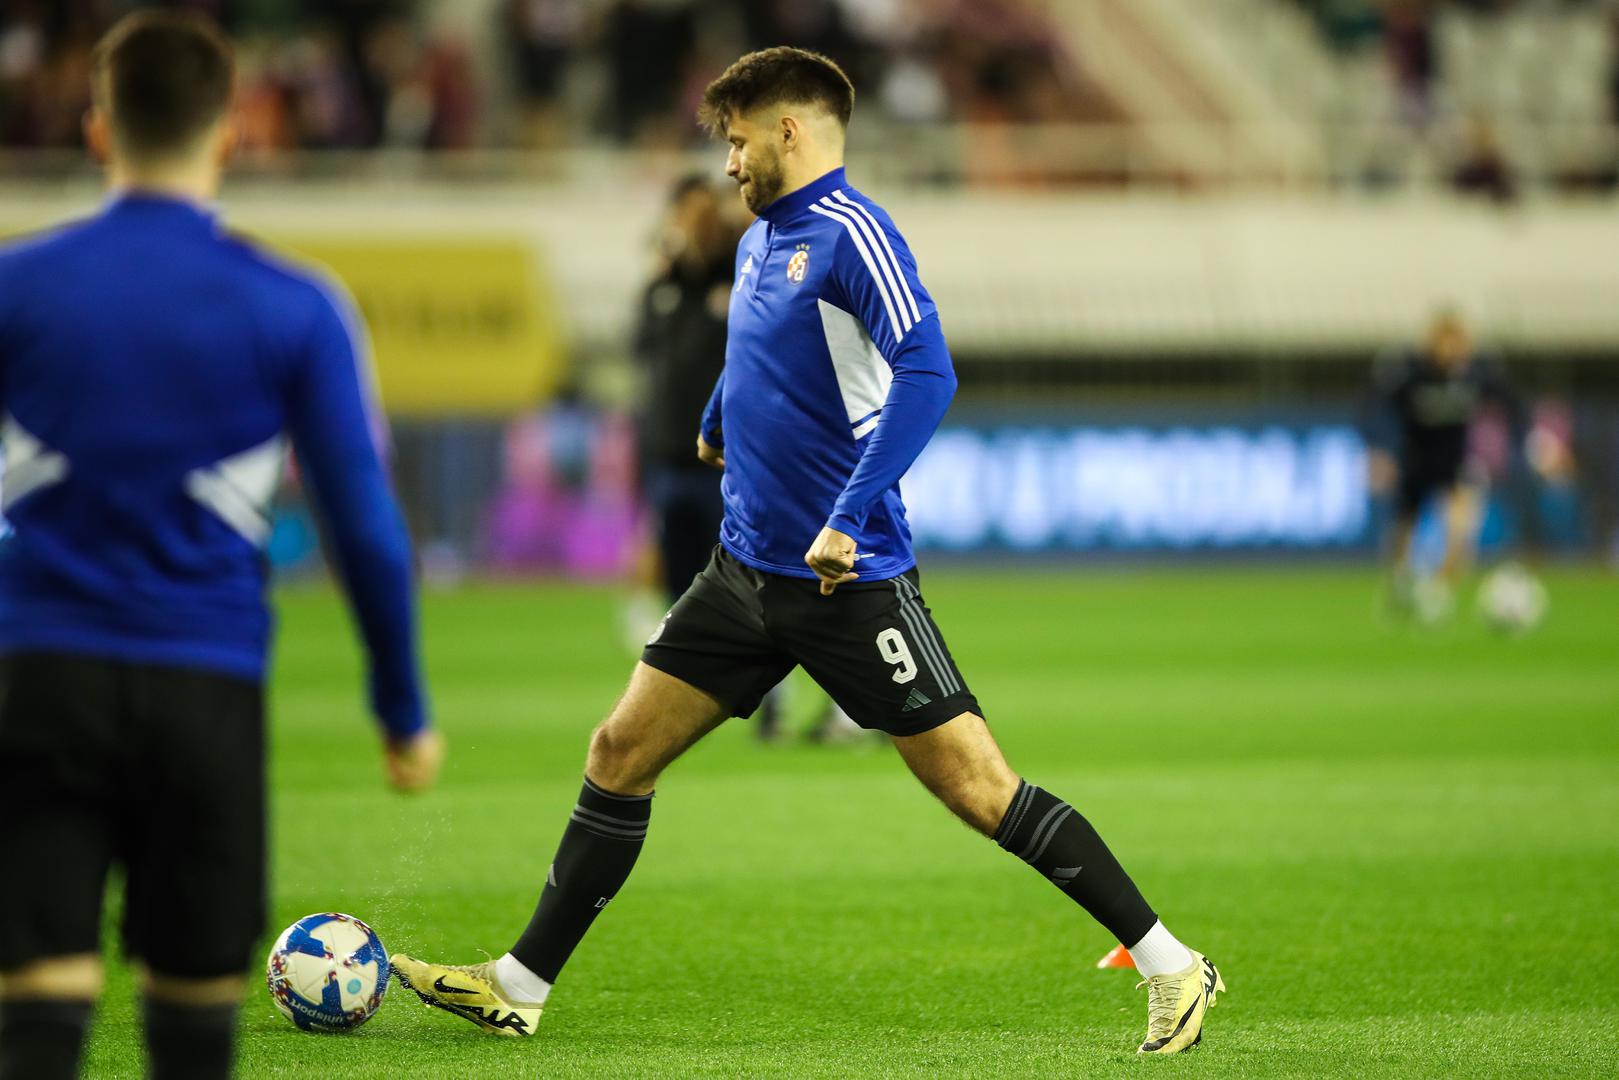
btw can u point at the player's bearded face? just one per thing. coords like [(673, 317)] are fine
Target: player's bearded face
[(761, 178)]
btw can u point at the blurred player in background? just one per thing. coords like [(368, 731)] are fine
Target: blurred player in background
[(680, 343), (1424, 402), (151, 367), (836, 376)]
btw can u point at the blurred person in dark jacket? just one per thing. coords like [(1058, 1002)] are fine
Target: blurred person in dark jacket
[(680, 345)]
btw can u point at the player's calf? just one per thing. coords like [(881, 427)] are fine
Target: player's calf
[(45, 1012), (190, 1025), (42, 1038), (961, 765), (189, 1042)]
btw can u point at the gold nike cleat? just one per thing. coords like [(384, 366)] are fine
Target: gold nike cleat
[(1176, 1005), (470, 992)]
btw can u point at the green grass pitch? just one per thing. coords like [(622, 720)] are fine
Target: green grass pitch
[(1401, 847)]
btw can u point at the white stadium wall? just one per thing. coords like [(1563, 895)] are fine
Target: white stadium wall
[(1030, 273)]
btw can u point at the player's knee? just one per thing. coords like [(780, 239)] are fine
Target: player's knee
[(980, 796), (617, 762), (991, 798), (70, 978), (606, 755)]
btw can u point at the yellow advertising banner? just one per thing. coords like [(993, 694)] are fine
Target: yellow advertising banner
[(458, 326)]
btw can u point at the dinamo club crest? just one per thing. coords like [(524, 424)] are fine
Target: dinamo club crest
[(798, 266)]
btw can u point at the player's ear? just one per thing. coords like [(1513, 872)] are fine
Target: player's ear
[(97, 134), (228, 140), (791, 133)]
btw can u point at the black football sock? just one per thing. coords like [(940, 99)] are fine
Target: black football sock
[(189, 1042), (598, 850), (42, 1039), (1056, 840)]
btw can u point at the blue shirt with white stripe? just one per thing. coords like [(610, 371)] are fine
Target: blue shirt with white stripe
[(150, 369), (836, 376)]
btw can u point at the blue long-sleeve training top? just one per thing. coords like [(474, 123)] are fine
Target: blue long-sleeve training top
[(836, 376), (151, 368)]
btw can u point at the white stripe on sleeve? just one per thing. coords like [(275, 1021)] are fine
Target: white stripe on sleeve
[(899, 271), (871, 265), (872, 242)]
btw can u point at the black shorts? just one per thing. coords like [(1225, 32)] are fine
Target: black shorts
[(871, 645), (1421, 480), (157, 770)]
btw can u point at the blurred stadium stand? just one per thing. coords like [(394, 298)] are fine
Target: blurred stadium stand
[(1191, 92), (1165, 216)]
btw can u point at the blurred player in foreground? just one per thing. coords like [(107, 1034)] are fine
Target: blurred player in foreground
[(836, 376), (150, 368), (1424, 402)]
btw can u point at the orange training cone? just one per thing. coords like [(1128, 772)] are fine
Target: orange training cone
[(1118, 958)]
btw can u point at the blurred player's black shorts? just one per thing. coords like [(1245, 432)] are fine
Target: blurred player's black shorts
[(156, 770), (1423, 478), (871, 645)]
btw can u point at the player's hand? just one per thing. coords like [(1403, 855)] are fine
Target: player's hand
[(832, 558), (1548, 456), (1382, 472), (710, 455), (413, 763)]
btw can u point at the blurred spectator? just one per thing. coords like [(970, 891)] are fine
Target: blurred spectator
[(44, 72), (821, 25), (1613, 66), (543, 36), (325, 107), (1005, 63), (1347, 24), (452, 91), (1413, 59), (349, 74), (647, 43), (320, 75), (1483, 168)]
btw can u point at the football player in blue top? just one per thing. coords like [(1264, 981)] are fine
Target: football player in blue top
[(836, 375), (151, 369)]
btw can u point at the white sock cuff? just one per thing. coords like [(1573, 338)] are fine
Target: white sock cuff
[(1158, 953), (518, 983)]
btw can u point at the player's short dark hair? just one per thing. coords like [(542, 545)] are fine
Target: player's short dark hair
[(783, 75), (688, 184), (164, 78)]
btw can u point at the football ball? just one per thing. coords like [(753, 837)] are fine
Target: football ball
[(1511, 600), (327, 972)]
